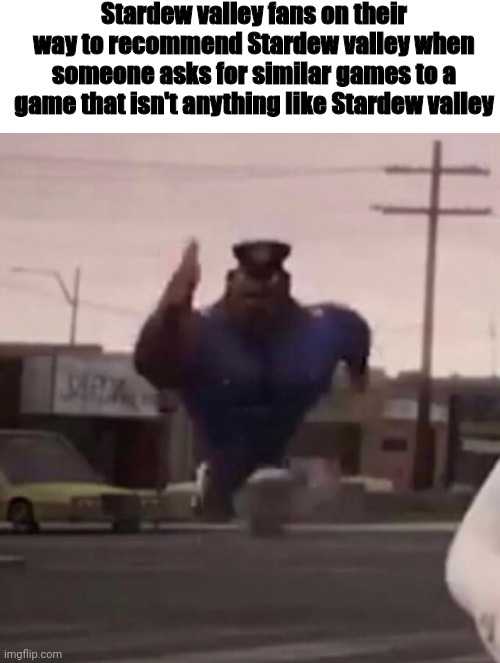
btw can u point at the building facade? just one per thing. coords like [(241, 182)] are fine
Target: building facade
[(110, 414)]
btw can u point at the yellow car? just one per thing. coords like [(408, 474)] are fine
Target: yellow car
[(43, 478)]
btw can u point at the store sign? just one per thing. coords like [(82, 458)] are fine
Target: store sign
[(83, 386), (107, 387)]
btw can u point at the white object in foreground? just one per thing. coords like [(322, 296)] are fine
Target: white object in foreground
[(473, 563), (269, 501)]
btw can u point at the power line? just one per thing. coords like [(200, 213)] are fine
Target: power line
[(111, 308), (492, 332), (99, 306), (423, 475), (176, 170)]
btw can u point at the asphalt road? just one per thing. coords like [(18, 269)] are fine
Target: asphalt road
[(218, 596)]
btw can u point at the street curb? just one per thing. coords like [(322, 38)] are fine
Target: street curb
[(11, 561), (322, 528)]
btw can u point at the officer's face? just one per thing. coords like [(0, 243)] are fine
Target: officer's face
[(257, 299)]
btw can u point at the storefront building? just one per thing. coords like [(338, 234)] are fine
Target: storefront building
[(108, 411)]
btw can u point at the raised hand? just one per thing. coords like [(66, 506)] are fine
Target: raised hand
[(180, 289)]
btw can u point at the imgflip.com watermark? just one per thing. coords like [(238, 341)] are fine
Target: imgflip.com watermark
[(31, 655)]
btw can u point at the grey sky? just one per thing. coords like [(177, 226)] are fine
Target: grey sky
[(121, 206)]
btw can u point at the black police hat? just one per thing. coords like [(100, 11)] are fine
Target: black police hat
[(261, 258)]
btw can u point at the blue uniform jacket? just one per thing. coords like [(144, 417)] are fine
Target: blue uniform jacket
[(244, 391)]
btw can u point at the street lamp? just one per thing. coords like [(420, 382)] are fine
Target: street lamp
[(72, 299)]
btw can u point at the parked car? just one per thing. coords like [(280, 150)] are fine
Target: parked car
[(43, 478)]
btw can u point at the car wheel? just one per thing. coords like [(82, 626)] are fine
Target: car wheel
[(22, 518), (129, 526)]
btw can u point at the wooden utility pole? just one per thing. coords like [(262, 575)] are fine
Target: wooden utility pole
[(423, 472), (493, 345)]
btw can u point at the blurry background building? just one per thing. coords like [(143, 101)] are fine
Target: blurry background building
[(136, 437), (96, 400)]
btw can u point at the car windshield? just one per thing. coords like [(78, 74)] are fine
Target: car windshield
[(43, 459)]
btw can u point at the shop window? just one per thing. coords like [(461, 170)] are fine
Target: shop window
[(394, 444)]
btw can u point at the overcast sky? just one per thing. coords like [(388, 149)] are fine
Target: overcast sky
[(121, 206)]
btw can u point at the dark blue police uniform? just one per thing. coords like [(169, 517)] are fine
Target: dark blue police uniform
[(248, 394)]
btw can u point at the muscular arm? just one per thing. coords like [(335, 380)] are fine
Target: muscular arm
[(358, 351), (168, 339), (165, 346), (356, 342)]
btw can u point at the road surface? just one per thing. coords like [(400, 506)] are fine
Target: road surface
[(214, 595)]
